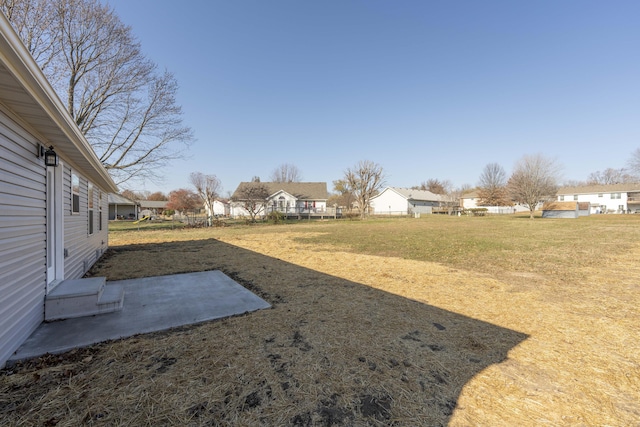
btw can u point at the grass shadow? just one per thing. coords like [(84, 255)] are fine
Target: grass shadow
[(329, 352)]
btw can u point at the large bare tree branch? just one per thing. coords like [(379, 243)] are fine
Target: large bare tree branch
[(127, 110), (286, 172)]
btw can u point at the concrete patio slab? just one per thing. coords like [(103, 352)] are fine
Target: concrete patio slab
[(150, 304)]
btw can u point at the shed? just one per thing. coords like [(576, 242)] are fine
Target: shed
[(560, 210), (584, 208)]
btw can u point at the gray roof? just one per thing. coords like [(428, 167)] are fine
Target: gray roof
[(473, 194), (411, 194), (300, 190), (593, 189), (116, 199), (153, 204)]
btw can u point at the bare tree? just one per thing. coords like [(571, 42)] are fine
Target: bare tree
[(492, 186), (132, 195), (208, 188), (634, 163), (253, 197), (534, 180), (456, 193), (34, 21), (611, 176), (435, 186), (123, 105), (286, 173), (345, 196), (364, 180)]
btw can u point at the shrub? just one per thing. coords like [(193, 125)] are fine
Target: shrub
[(478, 211), (275, 217)]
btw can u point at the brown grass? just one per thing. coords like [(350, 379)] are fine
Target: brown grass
[(458, 321)]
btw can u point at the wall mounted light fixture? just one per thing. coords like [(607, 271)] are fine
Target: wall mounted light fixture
[(50, 157)]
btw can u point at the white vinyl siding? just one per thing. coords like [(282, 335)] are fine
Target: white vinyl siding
[(82, 249), (22, 236)]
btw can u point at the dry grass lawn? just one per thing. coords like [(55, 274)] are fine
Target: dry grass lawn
[(431, 321)]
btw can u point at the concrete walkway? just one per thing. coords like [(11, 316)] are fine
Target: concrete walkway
[(150, 304)]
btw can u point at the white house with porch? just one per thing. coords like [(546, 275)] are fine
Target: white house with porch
[(612, 198), (288, 198), (53, 200)]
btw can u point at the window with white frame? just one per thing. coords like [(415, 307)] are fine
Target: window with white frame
[(615, 195), (75, 193), (561, 198), (575, 197)]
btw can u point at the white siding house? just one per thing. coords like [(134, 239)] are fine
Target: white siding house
[(289, 198), (219, 209), (53, 220), (404, 201), (613, 198), (471, 199)]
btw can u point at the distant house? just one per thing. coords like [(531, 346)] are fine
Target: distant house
[(152, 207), (122, 208), (289, 198), (53, 222), (404, 201), (220, 208), (613, 198), (471, 200)]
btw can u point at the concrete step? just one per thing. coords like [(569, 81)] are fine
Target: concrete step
[(112, 299), (83, 297)]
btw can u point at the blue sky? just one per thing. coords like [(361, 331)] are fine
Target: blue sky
[(427, 89)]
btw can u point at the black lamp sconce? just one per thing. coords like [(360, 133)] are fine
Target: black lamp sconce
[(50, 156)]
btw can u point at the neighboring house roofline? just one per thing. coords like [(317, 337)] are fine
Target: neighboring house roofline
[(299, 190), (153, 204), (117, 199), (601, 188), (559, 206), (43, 110), (473, 194), (411, 194)]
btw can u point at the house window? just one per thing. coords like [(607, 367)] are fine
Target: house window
[(99, 210), (561, 198), (615, 195), (90, 202), (575, 197), (75, 193), (599, 194)]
